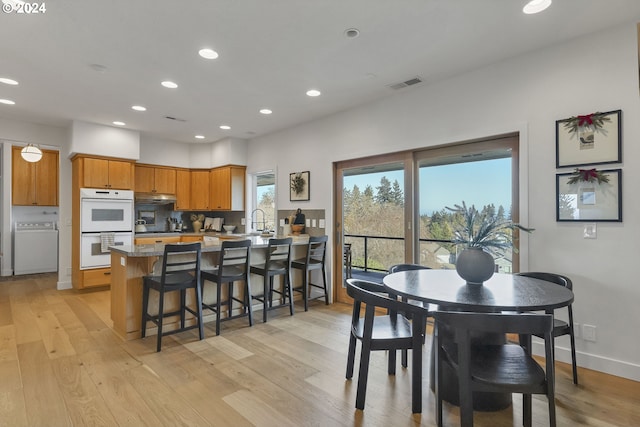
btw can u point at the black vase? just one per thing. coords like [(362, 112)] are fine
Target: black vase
[(475, 265)]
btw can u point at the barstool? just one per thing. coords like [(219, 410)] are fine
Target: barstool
[(277, 263), (233, 267), (314, 260), (180, 271)]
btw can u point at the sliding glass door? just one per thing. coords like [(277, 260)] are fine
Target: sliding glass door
[(392, 209)]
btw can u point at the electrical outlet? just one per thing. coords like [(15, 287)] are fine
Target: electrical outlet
[(590, 231), (589, 333), (321, 225), (243, 221), (313, 223)]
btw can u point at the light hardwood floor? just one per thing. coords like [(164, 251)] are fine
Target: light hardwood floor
[(61, 365)]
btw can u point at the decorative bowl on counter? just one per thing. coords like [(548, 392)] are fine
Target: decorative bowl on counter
[(297, 228), (229, 228)]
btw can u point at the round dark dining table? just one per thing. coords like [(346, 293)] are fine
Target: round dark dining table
[(502, 292)]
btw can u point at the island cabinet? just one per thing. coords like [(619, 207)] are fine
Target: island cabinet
[(199, 199), (227, 188), (34, 184), (105, 173), (183, 190), (154, 179)]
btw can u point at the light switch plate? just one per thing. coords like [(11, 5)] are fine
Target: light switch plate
[(308, 223), (590, 231), (313, 223)]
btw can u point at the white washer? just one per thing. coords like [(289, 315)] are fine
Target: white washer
[(35, 248)]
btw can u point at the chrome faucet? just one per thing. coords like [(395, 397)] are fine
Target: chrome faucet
[(256, 222)]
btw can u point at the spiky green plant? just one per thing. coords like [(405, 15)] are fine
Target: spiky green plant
[(474, 229)]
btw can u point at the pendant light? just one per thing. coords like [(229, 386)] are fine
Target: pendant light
[(31, 153)]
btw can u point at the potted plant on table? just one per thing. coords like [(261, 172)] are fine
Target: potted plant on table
[(482, 235)]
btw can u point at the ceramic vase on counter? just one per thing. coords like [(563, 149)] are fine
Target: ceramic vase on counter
[(197, 226)]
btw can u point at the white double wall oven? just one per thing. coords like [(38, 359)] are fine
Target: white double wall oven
[(105, 216)]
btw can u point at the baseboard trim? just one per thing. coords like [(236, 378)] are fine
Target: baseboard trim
[(64, 285), (595, 362)]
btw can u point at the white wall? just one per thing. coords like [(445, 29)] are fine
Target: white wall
[(90, 138), (526, 94)]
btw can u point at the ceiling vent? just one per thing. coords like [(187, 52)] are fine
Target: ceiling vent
[(174, 118), (406, 83)]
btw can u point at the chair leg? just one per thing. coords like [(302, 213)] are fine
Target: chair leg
[(526, 410), (416, 375), (218, 306), (391, 369), (160, 319), (289, 289), (265, 297), (183, 304), (573, 356), (363, 375), (198, 295), (248, 304), (351, 356), (229, 299), (324, 285), (305, 289)]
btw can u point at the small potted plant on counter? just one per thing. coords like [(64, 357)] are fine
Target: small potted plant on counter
[(482, 235), (196, 221)]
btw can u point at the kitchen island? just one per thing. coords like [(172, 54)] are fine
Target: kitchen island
[(129, 264)]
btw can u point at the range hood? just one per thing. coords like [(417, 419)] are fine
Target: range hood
[(155, 198)]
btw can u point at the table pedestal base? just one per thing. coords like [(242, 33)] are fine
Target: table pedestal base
[(482, 401)]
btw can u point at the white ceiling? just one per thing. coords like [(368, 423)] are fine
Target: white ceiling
[(271, 53)]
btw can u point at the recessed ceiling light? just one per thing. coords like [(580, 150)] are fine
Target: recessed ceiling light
[(7, 101), (8, 81), (225, 127), (535, 6), (199, 136), (266, 111), (117, 123), (208, 53), (138, 108), (313, 92), (352, 33), (169, 84)]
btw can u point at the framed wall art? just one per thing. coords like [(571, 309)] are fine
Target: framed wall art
[(299, 186), (589, 195), (591, 139)]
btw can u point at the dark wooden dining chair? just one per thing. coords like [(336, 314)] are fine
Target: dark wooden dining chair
[(233, 267), (560, 327), (180, 271), (313, 260), (277, 262), (390, 332), (494, 367), (431, 307)]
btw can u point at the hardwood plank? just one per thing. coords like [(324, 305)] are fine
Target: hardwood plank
[(260, 413), (84, 404), (42, 394)]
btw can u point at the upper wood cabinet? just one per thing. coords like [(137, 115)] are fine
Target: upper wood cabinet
[(227, 188), (151, 179), (106, 173), (183, 190), (199, 190), (34, 184)]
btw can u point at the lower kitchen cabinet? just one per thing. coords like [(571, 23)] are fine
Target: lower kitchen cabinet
[(94, 278)]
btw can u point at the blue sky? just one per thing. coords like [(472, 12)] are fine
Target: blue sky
[(480, 183)]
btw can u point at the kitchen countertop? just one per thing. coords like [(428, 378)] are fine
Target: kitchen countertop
[(157, 249)]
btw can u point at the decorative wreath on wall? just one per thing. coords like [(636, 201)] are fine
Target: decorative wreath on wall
[(587, 175), (297, 183), (590, 121)]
